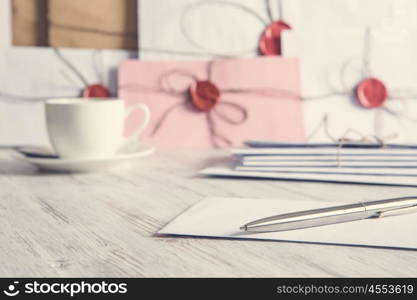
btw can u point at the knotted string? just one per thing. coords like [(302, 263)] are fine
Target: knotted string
[(371, 139), (362, 138), (185, 29), (344, 139)]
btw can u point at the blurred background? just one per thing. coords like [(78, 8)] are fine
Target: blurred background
[(323, 51)]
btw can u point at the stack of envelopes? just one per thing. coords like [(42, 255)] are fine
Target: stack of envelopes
[(369, 163)]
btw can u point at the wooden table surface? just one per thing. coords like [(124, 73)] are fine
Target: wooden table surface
[(102, 225)]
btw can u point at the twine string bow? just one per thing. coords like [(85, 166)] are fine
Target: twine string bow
[(205, 97), (346, 138)]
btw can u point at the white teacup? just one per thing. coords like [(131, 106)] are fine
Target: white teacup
[(89, 128)]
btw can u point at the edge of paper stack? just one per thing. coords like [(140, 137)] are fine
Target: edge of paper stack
[(359, 163)]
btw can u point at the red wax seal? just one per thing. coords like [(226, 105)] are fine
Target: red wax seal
[(96, 91), (270, 42), (371, 93), (204, 95)]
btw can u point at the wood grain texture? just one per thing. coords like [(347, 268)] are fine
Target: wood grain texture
[(102, 225)]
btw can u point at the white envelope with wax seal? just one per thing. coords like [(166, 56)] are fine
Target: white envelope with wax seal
[(342, 42), (333, 65), (30, 75), (196, 29)]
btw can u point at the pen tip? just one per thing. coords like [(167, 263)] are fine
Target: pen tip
[(243, 228)]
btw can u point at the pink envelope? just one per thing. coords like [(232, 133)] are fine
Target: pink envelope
[(258, 100)]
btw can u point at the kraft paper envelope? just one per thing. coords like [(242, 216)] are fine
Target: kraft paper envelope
[(222, 217), (36, 72), (199, 29), (331, 66), (273, 116)]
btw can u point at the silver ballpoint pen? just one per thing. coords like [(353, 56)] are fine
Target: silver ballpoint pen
[(334, 215)]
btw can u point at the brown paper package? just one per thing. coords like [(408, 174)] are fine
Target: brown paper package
[(29, 22), (110, 24), (93, 23)]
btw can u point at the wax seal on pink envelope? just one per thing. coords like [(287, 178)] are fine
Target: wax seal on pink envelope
[(371, 93), (96, 91), (270, 42), (204, 95)]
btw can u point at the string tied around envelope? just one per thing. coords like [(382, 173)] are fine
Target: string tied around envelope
[(95, 90), (204, 96), (269, 44), (87, 90), (369, 93), (269, 40), (345, 138)]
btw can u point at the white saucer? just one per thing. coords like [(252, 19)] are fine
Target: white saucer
[(45, 160)]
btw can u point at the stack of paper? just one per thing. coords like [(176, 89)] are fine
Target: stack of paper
[(392, 164)]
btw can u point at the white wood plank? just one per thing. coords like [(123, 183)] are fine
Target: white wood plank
[(103, 224)]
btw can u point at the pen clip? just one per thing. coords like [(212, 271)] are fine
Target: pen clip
[(397, 211)]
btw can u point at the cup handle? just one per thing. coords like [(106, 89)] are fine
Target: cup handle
[(146, 118)]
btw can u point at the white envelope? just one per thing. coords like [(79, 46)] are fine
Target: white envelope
[(328, 33), (197, 27), (222, 217), (229, 27), (38, 72), (5, 23), (323, 56)]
